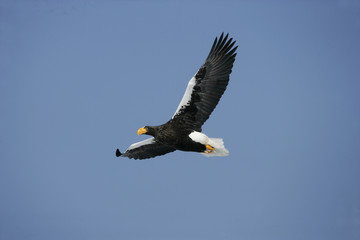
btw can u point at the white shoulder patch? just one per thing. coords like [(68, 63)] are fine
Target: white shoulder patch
[(187, 96), (142, 143)]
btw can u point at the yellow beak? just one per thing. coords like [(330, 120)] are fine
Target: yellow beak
[(141, 131)]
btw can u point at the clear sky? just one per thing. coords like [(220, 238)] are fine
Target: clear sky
[(78, 78)]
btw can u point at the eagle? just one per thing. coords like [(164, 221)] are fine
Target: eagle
[(183, 131)]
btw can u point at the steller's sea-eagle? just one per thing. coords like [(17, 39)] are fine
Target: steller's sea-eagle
[(183, 130)]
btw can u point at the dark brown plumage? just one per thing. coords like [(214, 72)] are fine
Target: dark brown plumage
[(183, 130)]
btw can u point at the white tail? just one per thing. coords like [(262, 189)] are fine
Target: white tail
[(219, 151)]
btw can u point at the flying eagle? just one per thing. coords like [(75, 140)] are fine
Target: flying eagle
[(183, 130)]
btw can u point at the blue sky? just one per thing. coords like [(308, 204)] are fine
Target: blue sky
[(78, 78)]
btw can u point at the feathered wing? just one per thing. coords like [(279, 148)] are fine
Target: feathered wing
[(205, 89), (148, 148)]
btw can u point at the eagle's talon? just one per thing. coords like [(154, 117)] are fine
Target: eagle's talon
[(209, 148)]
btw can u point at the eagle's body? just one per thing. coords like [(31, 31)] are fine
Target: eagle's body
[(177, 137), (183, 130)]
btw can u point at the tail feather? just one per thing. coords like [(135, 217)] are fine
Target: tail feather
[(219, 151)]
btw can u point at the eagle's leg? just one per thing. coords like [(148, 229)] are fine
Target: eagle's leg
[(209, 148)]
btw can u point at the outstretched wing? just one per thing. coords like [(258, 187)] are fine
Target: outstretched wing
[(205, 89), (148, 148)]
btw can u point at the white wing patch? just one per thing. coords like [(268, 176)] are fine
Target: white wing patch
[(187, 96), (142, 143)]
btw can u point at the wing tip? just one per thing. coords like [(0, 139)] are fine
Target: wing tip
[(223, 45), (118, 153)]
